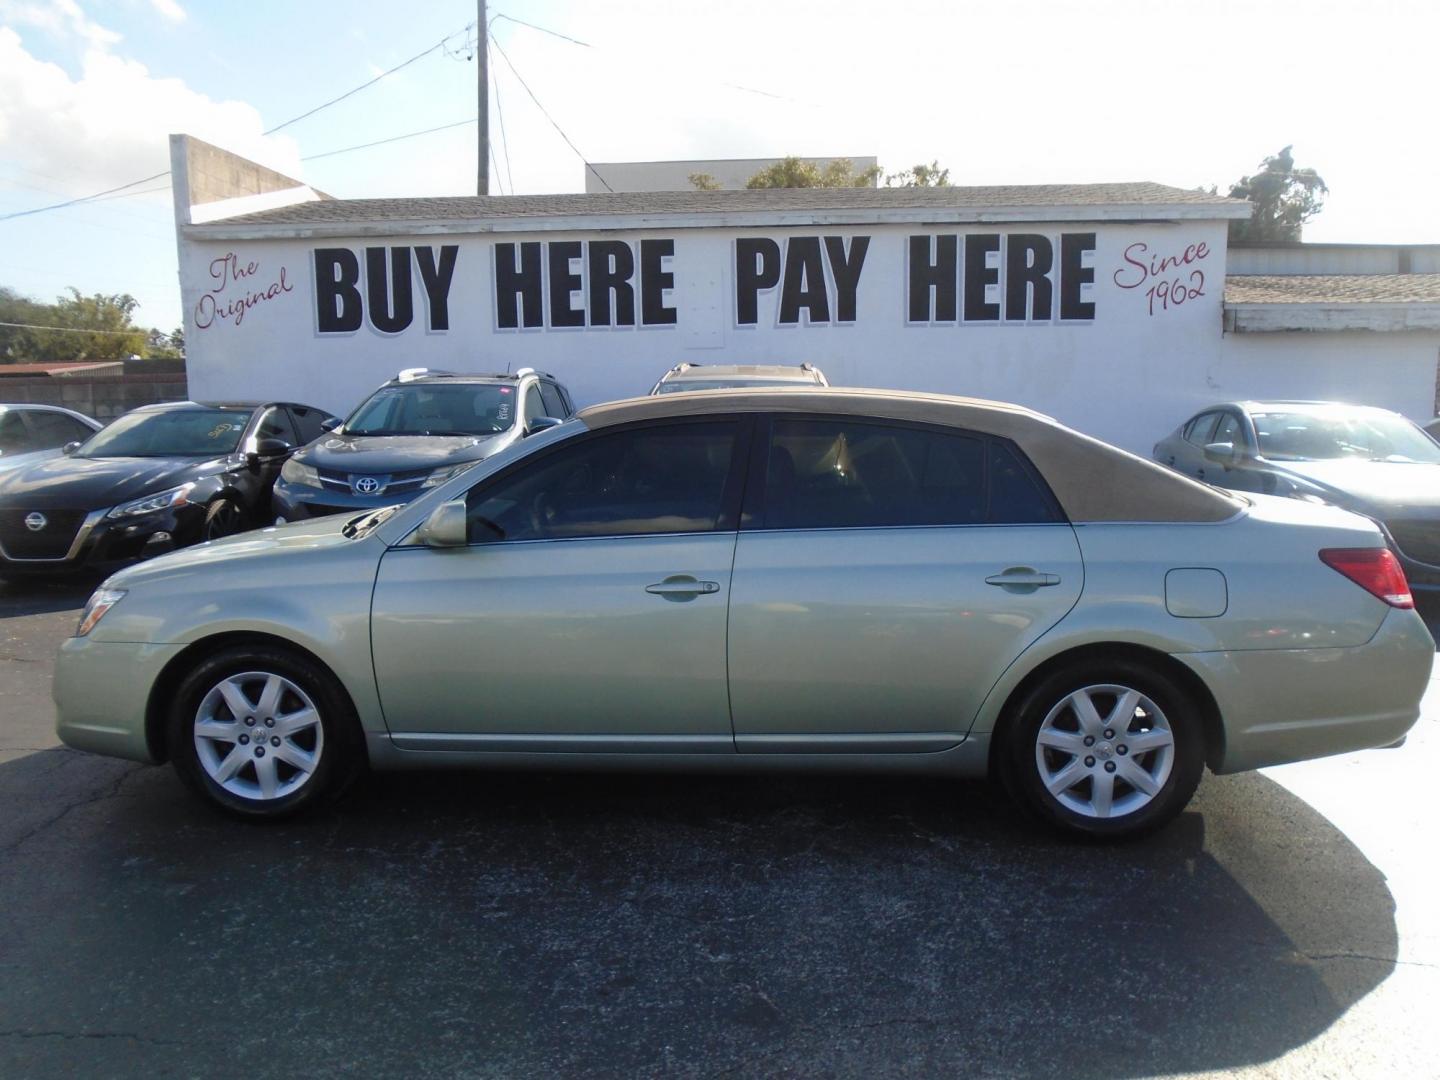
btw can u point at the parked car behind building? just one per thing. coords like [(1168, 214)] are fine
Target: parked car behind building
[(414, 433), (1367, 460), (768, 580), (157, 478)]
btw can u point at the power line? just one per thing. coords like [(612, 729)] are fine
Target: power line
[(504, 145), (553, 33), (348, 93), (391, 139), (73, 329), (293, 120), (547, 116), (83, 198)]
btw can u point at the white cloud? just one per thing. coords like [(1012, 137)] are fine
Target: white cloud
[(59, 18), (110, 125), (169, 9)]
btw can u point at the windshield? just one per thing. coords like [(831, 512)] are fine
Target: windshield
[(430, 409), (725, 384), (1321, 436), (199, 433)]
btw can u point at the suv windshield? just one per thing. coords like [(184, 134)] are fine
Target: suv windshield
[(172, 433), (431, 409), (1318, 436)]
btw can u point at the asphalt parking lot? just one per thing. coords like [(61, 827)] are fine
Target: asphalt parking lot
[(522, 925)]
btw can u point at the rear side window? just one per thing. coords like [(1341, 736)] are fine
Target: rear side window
[(829, 474), (553, 405), (652, 479)]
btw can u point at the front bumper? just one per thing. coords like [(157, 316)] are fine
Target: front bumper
[(1283, 705), (101, 691), (104, 544), (295, 503)]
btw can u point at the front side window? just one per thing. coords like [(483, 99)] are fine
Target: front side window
[(435, 409), (1228, 431), (275, 424), (534, 405), (307, 422), (1198, 430), (56, 429), (653, 479), (829, 474), (170, 433)]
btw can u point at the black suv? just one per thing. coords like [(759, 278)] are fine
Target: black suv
[(414, 433)]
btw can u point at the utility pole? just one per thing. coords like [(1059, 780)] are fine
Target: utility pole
[(482, 72)]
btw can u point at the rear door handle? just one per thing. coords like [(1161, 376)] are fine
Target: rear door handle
[(1022, 577), (682, 587)]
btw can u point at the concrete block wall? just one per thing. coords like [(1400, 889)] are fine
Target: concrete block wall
[(103, 397)]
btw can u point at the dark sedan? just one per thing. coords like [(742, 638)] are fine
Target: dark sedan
[(1367, 460), (158, 478)]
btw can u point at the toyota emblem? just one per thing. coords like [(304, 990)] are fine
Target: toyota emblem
[(36, 521), (367, 485)]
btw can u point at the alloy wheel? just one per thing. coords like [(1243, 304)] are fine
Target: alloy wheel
[(1105, 751), (223, 520), (258, 735)]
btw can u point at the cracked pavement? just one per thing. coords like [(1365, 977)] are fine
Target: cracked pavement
[(543, 925)]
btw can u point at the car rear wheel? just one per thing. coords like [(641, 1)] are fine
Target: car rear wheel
[(262, 732), (223, 517), (1108, 750)]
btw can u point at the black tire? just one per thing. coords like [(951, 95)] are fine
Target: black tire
[(1021, 771), (342, 754), (223, 517)]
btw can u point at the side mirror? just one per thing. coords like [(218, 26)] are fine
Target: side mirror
[(70, 447), (445, 527), (542, 423), (267, 448), (330, 423), (1224, 453)]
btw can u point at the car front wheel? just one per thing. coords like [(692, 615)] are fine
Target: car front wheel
[(262, 732), (1107, 750)]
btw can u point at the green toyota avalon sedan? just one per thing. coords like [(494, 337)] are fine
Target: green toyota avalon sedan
[(768, 579)]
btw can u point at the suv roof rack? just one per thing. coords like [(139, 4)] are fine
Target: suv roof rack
[(411, 373)]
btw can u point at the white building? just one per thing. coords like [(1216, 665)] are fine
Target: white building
[(1104, 305)]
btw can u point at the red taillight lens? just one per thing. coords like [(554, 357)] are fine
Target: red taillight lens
[(1375, 570)]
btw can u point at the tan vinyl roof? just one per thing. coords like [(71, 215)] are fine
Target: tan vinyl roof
[(1094, 481)]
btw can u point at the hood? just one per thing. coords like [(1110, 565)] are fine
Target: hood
[(1380, 488), (317, 534), (81, 483), (12, 461), (397, 453)]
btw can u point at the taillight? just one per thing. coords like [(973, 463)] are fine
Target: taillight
[(1375, 570)]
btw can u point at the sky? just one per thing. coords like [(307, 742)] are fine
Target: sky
[(999, 92)]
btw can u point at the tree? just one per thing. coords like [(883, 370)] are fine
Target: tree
[(1285, 199), (703, 181), (791, 172), (931, 175), (94, 327)]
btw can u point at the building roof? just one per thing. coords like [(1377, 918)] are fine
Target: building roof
[(1275, 302), (774, 206), (1094, 481), (71, 367), (1332, 288)]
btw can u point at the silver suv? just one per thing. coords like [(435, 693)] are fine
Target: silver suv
[(684, 377), (414, 433)]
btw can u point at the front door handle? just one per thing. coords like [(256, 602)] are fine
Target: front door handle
[(1022, 577), (682, 587)]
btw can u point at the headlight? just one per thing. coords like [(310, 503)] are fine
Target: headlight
[(101, 601), (152, 503), (301, 475), (439, 476)]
